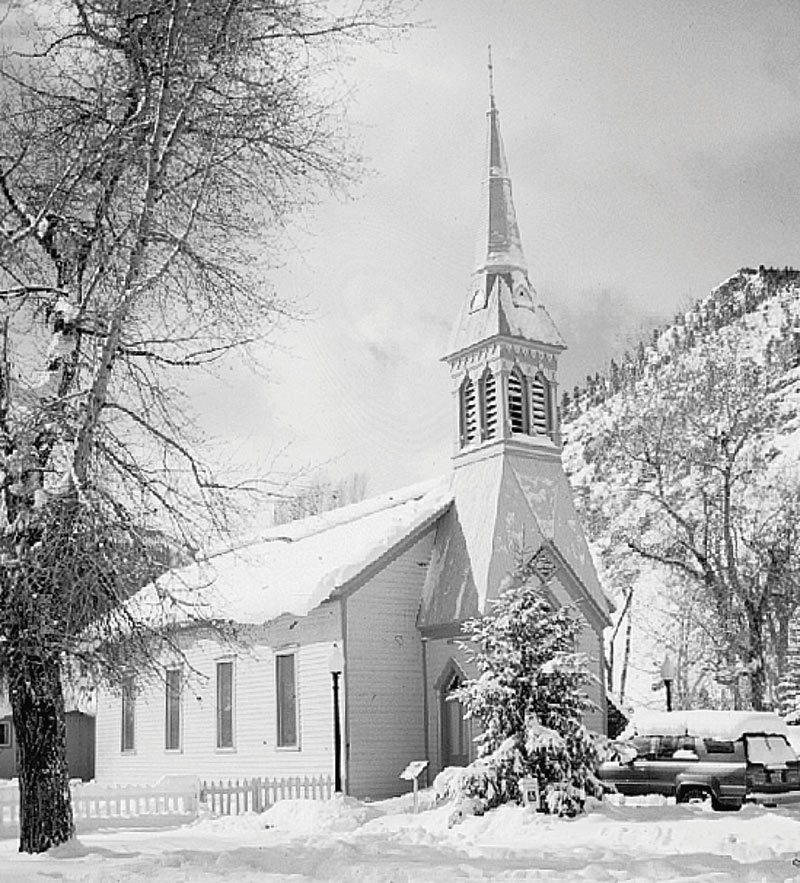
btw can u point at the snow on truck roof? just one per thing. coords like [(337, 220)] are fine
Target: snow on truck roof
[(712, 724), (294, 567)]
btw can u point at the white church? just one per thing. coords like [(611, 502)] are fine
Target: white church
[(372, 596)]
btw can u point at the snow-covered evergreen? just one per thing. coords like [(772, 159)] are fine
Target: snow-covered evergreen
[(529, 699)]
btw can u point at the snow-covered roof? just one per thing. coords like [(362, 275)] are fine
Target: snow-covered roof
[(294, 567), (711, 724)]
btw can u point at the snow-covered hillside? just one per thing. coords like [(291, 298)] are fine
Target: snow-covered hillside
[(755, 315)]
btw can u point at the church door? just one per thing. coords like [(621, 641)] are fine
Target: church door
[(455, 729)]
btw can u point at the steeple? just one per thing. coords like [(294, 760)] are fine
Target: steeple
[(504, 348), (499, 245), (510, 492)]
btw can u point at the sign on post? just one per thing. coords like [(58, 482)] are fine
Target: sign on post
[(529, 790), (412, 773)]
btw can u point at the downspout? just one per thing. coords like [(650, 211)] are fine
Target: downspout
[(425, 709)]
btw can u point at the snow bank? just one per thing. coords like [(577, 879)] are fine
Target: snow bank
[(309, 817)]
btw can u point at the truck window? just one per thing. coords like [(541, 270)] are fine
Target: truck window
[(769, 750)]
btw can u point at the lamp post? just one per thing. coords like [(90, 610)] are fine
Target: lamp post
[(668, 676), (336, 666)]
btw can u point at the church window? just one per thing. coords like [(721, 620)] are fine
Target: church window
[(286, 692), (488, 397), (517, 405), (172, 720), (469, 413), (225, 704), (540, 406), (127, 742)]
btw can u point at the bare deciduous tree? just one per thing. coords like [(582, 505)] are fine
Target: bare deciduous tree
[(320, 494), (151, 152), (705, 499)]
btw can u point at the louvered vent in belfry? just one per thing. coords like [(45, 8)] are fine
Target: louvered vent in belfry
[(539, 409), (469, 413), (489, 402), (516, 402)]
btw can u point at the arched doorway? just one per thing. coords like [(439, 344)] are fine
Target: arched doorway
[(455, 730)]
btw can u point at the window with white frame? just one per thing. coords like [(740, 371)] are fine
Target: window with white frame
[(286, 697), (225, 704), (172, 715), (5, 734), (128, 728)]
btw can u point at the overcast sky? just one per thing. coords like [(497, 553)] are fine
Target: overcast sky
[(654, 149)]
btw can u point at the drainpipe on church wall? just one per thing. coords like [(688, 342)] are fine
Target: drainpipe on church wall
[(425, 709)]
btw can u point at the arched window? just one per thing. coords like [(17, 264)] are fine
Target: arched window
[(488, 399), (455, 730), (541, 423), (517, 402), (469, 413)]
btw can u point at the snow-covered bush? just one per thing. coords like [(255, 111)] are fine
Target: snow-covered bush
[(529, 700)]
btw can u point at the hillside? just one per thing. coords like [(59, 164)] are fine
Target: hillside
[(752, 318)]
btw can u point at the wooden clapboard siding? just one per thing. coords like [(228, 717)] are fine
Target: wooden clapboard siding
[(255, 752), (384, 679)]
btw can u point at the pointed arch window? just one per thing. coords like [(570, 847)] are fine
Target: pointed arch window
[(469, 412), (488, 400), (517, 402), (541, 420)]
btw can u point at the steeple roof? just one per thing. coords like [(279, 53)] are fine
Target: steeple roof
[(499, 244), (501, 301)]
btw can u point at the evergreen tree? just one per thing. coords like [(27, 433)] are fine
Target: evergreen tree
[(529, 699)]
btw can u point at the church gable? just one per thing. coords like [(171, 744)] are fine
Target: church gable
[(504, 507), (548, 495)]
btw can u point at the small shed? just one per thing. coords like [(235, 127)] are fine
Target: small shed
[(80, 746)]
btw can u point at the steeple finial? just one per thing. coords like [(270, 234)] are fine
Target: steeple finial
[(491, 77)]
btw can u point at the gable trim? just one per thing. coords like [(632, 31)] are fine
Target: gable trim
[(597, 617), (389, 556)]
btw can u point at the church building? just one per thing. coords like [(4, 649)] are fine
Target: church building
[(351, 621)]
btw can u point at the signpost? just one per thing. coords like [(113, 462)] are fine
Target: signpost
[(412, 773)]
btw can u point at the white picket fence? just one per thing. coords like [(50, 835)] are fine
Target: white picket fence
[(175, 800), (256, 795)]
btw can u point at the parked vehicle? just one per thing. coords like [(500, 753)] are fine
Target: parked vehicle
[(727, 757)]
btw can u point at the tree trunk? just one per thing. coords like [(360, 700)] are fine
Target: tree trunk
[(37, 702), (757, 675), (626, 658)]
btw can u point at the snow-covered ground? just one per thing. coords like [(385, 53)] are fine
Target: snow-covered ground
[(344, 840)]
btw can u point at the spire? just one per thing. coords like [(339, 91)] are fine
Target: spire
[(500, 245), (501, 301)]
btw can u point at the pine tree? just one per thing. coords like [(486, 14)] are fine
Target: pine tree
[(529, 700)]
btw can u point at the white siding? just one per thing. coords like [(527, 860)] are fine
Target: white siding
[(254, 752), (385, 724)]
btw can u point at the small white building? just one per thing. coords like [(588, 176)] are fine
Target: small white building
[(388, 582)]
